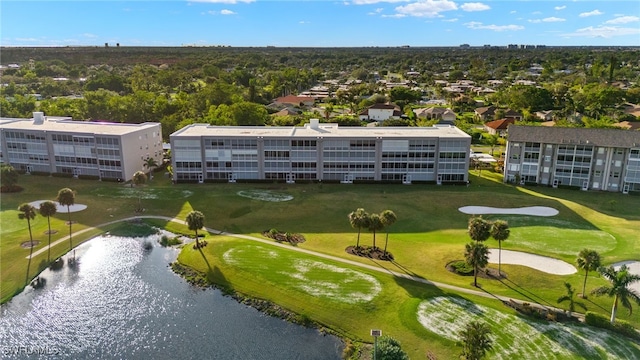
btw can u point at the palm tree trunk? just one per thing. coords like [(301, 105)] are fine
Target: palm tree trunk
[(197, 242), (26, 281), (614, 310), (499, 258), (69, 216), (49, 249), (374, 239), (475, 275), (584, 284), (358, 241), (386, 241)]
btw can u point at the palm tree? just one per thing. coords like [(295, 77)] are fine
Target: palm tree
[(139, 178), (569, 297), (195, 221), (500, 232), (476, 255), (67, 197), (587, 260), (388, 218), (493, 140), (476, 340), (28, 212), (359, 219), (375, 224), (479, 228), (619, 289), (150, 163), (48, 209)]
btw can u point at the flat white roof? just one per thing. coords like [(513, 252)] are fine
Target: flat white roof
[(66, 125), (322, 130)]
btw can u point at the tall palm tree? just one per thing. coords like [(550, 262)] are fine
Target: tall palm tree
[(500, 232), (28, 212), (375, 224), (359, 219), (388, 218), (67, 197), (479, 228), (195, 221), (476, 340), (569, 297), (48, 209), (150, 163), (587, 260), (477, 255), (619, 289), (139, 178)]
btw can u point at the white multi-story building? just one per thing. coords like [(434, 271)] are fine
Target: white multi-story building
[(60, 145), (320, 152), (592, 159)]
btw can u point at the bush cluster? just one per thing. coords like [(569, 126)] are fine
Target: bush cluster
[(620, 326)]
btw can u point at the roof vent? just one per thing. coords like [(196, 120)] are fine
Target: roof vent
[(314, 124), (38, 118)]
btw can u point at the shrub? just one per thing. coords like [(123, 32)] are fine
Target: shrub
[(620, 326), (166, 241), (462, 267)]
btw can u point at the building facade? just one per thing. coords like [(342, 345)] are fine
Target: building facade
[(592, 159), (320, 152), (60, 145)]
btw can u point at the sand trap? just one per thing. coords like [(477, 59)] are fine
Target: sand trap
[(61, 209), (542, 263), (634, 268), (530, 210)]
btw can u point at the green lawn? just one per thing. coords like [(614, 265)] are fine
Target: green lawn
[(429, 233)]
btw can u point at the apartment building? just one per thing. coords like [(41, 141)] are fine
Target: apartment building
[(592, 159), (320, 152), (46, 144)]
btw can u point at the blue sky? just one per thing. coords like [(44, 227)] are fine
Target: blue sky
[(323, 23)]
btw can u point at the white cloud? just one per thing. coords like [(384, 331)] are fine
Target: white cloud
[(226, 12), (427, 8), (547, 20), (450, 20), (369, 2), (623, 20), (376, 11), (302, 22), (479, 26), (512, 12), (90, 35), (560, 7), (591, 13), (396, 16), (536, 13), (223, 1), (603, 32), (475, 7)]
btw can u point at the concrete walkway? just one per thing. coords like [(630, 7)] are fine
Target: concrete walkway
[(378, 266)]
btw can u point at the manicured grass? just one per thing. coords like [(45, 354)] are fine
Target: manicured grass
[(429, 233)]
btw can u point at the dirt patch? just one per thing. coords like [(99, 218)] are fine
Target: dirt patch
[(29, 244), (369, 252), (47, 232), (486, 273), (280, 236)]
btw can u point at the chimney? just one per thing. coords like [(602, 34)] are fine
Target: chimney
[(314, 124), (38, 118)]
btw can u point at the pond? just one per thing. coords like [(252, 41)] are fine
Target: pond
[(123, 301)]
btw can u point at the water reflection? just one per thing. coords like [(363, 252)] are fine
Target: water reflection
[(121, 301)]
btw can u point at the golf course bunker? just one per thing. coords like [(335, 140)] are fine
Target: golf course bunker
[(314, 277), (634, 268), (541, 263), (520, 338), (60, 208), (529, 210), (265, 195)]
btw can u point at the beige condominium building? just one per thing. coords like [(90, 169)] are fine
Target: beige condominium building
[(59, 145), (592, 159), (320, 152)]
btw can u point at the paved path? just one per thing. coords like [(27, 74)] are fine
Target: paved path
[(379, 266)]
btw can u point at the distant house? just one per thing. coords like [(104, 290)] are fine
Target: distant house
[(498, 126), (293, 100), (546, 115), (286, 112), (380, 112), (631, 109), (436, 113), (512, 114), (485, 113)]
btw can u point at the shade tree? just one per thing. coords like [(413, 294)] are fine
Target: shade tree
[(195, 222), (619, 288), (67, 197), (359, 219), (587, 260), (48, 209), (28, 212)]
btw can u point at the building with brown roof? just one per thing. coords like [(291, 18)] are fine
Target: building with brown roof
[(498, 126)]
